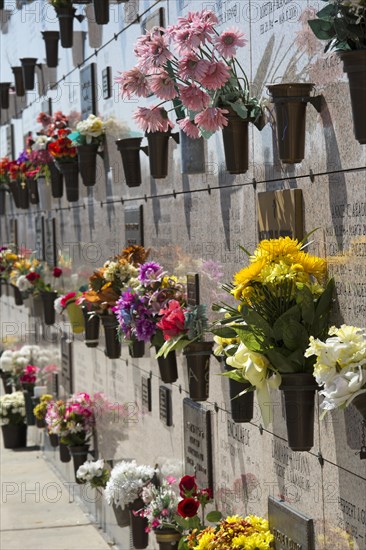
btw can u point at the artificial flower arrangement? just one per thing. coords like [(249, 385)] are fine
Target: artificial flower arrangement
[(40, 410), (62, 149), (4, 177), (93, 473), (342, 23), (251, 532), (15, 363), (126, 483), (88, 137), (161, 505), (12, 408), (195, 67), (7, 259), (70, 303), (340, 368), (284, 298)]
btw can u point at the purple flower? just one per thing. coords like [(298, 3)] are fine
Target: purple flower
[(23, 157), (145, 329), (150, 272)]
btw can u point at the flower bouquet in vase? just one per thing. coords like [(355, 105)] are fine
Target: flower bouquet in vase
[(64, 154), (196, 67), (88, 138), (284, 299), (124, 489), (340, 368), (40, 410), (12, 418), (183, 328), (4, 183), (93, 473), (69, 303), (343, 24), (55, 422), (106, 285)]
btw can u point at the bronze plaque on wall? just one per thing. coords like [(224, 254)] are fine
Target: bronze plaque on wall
[(197, 442), (134, 226), (291, 529), (280, 214), (88, 87), (65, 378)]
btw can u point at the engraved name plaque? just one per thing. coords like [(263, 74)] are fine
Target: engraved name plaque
[(280, 214), (65, 378), (291, 529), (197, 442), (134, 228)]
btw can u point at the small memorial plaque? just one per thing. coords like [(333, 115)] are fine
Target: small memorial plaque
[(66, 365), (291, 529), (134, 227), (197, 442), (39, 229), (280, 214), (49, 238), (193, 289), (87, 91), (10, 141), (165, 405), (106, 83), (146, 394)]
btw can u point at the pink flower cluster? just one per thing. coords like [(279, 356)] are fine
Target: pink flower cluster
[(79, 414), (29, 375), (67, 299), (192, 78)]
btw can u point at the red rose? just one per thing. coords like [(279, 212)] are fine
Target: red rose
[(187, 485), (173, 320), (187, 508), (57, 272), (32, 276), (205, 495)]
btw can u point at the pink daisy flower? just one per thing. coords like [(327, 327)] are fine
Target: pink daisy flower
[(163, 86), (156, 54), (133, 82), (152, 119), (193, 67), (212, 119), (228, 42), (189, 128), (193, 97), (217, 75)]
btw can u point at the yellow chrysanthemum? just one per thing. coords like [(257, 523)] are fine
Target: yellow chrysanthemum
[(245, 277), (312, 265), (206, 539), (272, 249)]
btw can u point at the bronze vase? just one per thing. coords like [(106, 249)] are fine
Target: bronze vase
[(14, 436), (101, 11), (354, 64), (3, 193), (92, 324), (290, 107), (130, 154), (299, 392), (168, 367), (158, 152), (136, 349), (122, 515), (65, 455), (51, 39), (70, 171), (66, 21), (167, 539), (87, 158), (57, 185), (7, 381), (19, 82), (112, 343), (32, 184), (23, 195), (242, 408), (4, 95), (48, 300), (29, 68), (235, 138), (198, 364), (79, 455), (138, 525)]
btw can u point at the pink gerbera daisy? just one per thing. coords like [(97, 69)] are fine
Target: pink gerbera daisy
[(156, 54), (212, 119), (216, 76), (133, 82), (193, 98), (152, 119), (228, 42), (163, 86), (193, 67), (189, 128)]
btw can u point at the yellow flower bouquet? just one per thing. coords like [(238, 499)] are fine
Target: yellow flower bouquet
[(284, 298), (236, 532)]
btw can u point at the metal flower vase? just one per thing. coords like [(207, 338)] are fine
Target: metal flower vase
[(198, 364), (299, 393)]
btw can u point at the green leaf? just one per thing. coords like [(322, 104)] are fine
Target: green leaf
[(224, 332), (324, 30), (206, 134), (182, 522), (235, 374), (214, 516), (322, 310), (295, 335), (240, 109), (328, 12), (298, 358), (182, 544), (305, 300), (280, 362), (194, 523), (256, 320), (249, 339), (279, 326), (244, 250)]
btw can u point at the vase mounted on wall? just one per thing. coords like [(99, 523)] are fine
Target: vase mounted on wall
[(130, 153)]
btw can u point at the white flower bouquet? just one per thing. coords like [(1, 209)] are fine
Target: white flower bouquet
[(12, 408), (46, 359), (126, 482), (340, 366), (94, 473)]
